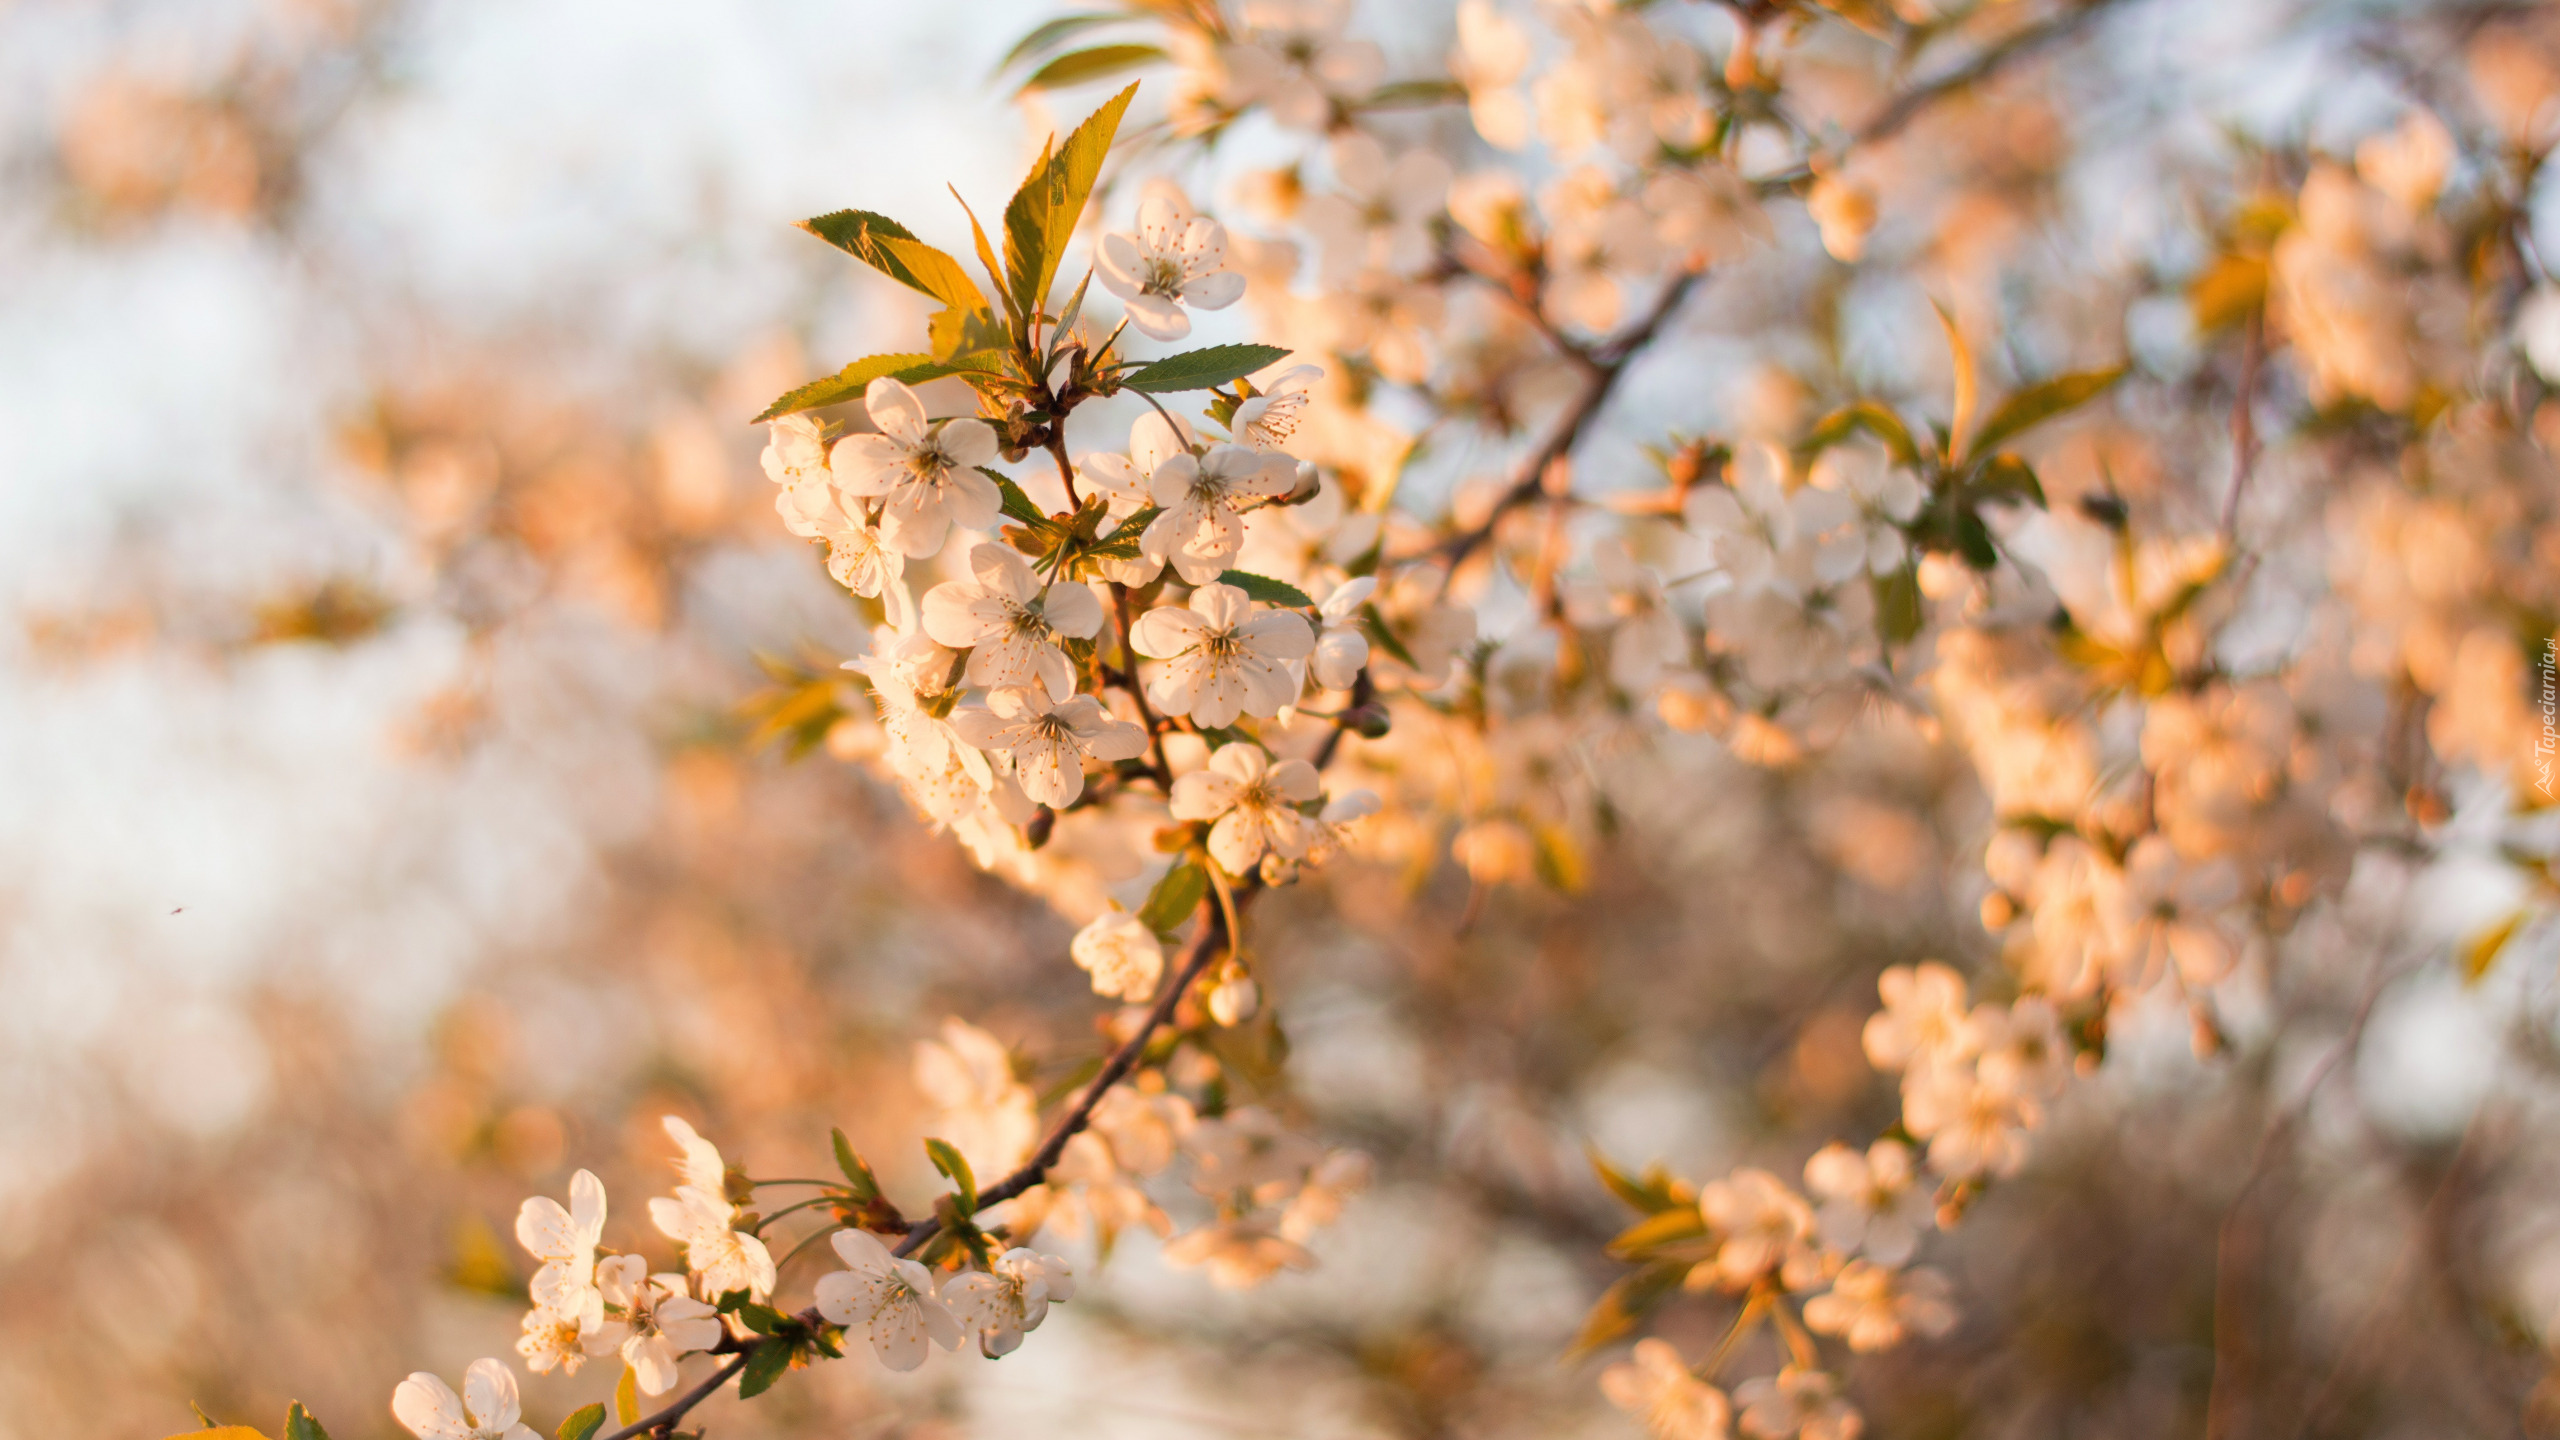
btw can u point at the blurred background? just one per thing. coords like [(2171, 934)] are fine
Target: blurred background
[(387, 826)]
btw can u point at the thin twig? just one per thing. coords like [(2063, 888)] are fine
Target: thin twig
[(1906, 107)]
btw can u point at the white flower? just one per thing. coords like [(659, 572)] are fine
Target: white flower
[(658, 1322), (983, 1109), (1011, 627), (721, 1258), (2020, 1047), (1340, 1175), (859, 554), (1238, 1253), (1122, 954), (1342, 651), (1254, 803), (1761, 1225), (891, 1301), (1048, 741), (1887, 496), (1128, 481), (795, 450), (1973, 1128), (2169, 915), (1143, 1126), (1248, 1149), (1646, 637), (1766, 536), (485, 1410), (1202, 526), (1871, 1202), (1673, 1403), (1221, 658), (1797, 1402), (927, 473), (1380, 216), (1009, 1298), (1267, 419), (1922, 1021), (1490, 56), (1296, 62), (1086, 1190), (1174, 258), (562, 1340), (1872, 1306), (564, 1240)]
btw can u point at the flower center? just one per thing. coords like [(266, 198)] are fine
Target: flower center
[(1164, 276)]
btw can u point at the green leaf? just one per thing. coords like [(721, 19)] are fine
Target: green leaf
[(970, 339), (948, 1159), (1051, 32), (300, 1425), (987, 257), (762, 1319), (1898, 612), (583, 1422), (1867, 415), (1174, 898), (1624, 1305), (1664, 1227), (1414, 92), (894, 251), (866, 1186), (1043, 213), (765, 1365), (1973, 541), (1078, 66), (1200, 369), (1267, 590), (2007, 478), (2041, 402), (1652, 1193), (2482, 951), (626, 1397), (1015, 503), (852, 380)]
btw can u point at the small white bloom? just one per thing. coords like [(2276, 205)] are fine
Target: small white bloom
[(1797, 1403), (1254, 802), (1873, 1306), (982, 1108), (859, 554), (1887, 497), (1380, 215), (1222, 659), (1048, 742), (564, 1240), (1295, 61), (1871, 1202), (1238, 1253), (926, 473), (721, 1258), (1008, 1299), (891, 1301), (1174, 258), (1340, 1175), (1143, 1126), (1342, 651), (485, 1410), (1012, 628), (1202, 527), (1922, 1022), (1674, 1404), (795, 450), (659, 1323), (1122, 954), (1266, 420), (1761, 1225)]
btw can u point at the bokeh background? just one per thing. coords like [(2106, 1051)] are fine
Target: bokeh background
[(387, 828)]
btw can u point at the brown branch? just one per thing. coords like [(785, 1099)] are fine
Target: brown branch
[(2244, 424)]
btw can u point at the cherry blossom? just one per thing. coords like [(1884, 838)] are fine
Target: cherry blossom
[(485, 1410), (1342, 651), (1797, 1402), (1872, 1203), (1653, 1384), (1123, 956), (656, 1323), (1254, 802), (1761, 1227), (983, 1109), (1873, 1306), (1173, 259), (1222, 657), (1271, 415), (1202, 526), (1923, 1020), (1009, 1298), (892, 1302), (1379, 215), (564, 1240), (1012, 627), (925, 472)]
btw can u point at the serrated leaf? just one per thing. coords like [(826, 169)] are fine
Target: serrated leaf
[(2482, 953), (765, 1365), (626, 1397), (868, 236), (947, 1158), (850, 383), (987, 257), (971, 339), (864, 1184), (582, 1423), (300, 1425), (1267, 590), (1049, 33), (1624, 1305), (1174, 898), (938, 274), (1661, 1228), (1865, 415), (1201, 369), (1097, 63), (1014, 502), (1043, 213), (2041, 402)]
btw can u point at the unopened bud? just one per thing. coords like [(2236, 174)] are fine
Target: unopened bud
[(1036, 831), (1369, 722)]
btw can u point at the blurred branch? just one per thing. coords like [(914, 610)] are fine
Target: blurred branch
[(1907, 107)]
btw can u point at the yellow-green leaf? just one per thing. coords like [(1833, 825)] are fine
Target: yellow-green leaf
[(2482, 951), (2228, 292), (1099, 62), (1624, 1305), (1174, 898), (582, 1423), (626, 1397), (894, 251), (1043, 213), (850, 383), (2041, 402), (1661, 1228)]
